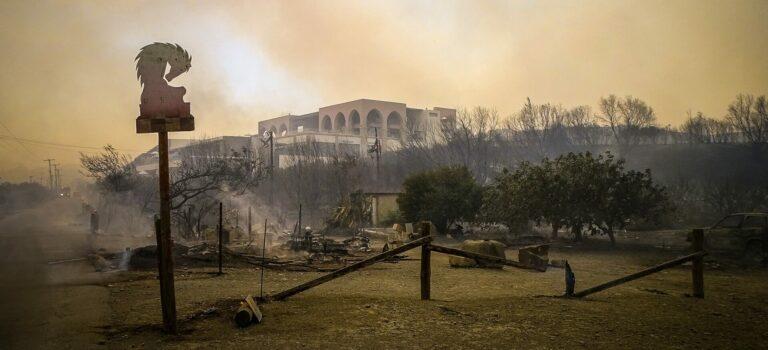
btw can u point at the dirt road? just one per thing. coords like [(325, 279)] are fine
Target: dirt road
[(61, 306)]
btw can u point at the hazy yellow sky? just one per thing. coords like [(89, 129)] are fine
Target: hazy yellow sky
[(67, 72)]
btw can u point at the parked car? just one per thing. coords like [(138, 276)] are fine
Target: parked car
[(745, 233)]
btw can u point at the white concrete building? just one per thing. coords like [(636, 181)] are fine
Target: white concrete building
[(352, 128)]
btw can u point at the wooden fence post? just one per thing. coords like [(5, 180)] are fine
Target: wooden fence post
[(425, 263), (221, 233), (570, 280), (697, 267)]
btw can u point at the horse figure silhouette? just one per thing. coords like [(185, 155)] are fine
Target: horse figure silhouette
[(158, 99)]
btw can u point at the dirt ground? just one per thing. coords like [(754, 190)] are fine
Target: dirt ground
[(379, 307)]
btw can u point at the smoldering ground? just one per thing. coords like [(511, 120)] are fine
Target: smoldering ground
[(46, 285)]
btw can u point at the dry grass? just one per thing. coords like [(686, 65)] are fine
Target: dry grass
[(72, 307), (472, 308)]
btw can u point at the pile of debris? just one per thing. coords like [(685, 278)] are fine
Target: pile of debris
[(205, 254), (485, 247), (313, 242), (146, 257)]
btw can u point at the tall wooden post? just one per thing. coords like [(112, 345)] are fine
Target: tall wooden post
[(221, 230), (425, 263), (271, 167), (188, 227), (263, 259), (299, 229), (164, 242), (697, 267), (162, 112), (377, 144), (250, 231)]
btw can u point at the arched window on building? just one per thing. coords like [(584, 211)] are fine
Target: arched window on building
[(394, 125), (373, 121), (340, 123), (326, 125), (354, 122)]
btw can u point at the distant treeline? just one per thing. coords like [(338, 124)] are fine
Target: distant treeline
[(711, 167), (18, 196)]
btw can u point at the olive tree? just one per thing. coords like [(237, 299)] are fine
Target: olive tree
[(443, 195), (515, 197), (578, 191)]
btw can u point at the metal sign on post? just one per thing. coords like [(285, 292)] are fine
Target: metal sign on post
[(163, 110)]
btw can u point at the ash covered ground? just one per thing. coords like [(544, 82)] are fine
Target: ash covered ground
[(71, 305)]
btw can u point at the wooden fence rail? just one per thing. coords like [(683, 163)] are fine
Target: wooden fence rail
[(489, 258), (697, 269), (347, 269), (651, 270)]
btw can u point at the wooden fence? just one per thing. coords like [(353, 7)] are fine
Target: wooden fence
[(697, 271), (425, 242)]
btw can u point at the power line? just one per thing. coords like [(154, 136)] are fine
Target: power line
[(22, 140), (17, 140)]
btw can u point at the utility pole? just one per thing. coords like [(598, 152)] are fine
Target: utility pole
[(271, 151), (271, 166), (250, 233), (375, 150), (268, 140), (300, 230), (377, 144), (56, 177), (50, 172)]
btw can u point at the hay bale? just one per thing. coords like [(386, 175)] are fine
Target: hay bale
[(99, 263), (486, 247), (210, 234), (432, 228)]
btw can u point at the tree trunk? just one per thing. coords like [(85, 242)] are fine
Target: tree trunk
[(577, 236), (555, 228), (611, 236)]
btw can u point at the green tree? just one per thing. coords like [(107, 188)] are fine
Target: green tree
[(579, 191), (444, 196), (519, 196), (505, 202), (579, 194), (629, 195), (604, 196)]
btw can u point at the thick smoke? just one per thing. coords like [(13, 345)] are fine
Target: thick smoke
[(69, 74)]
